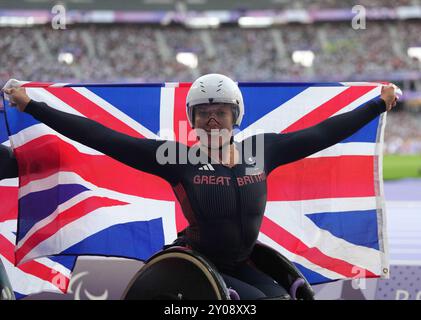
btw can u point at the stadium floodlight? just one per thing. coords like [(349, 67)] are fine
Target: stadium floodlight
[(16, 21), (189, 59), (65, 57), (255, 22), (303, 57), (203, 22), (415, 52)]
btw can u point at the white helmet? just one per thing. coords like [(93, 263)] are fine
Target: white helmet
[(215, 88)]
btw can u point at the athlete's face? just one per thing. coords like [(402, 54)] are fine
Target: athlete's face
[(213, 124)]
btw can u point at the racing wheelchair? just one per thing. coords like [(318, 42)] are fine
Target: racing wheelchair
[(180, 273)]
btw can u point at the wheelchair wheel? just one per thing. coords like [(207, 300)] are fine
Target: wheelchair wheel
[(282, 270), (177, 273)]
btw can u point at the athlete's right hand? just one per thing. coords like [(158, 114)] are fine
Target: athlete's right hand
[(17, 97)]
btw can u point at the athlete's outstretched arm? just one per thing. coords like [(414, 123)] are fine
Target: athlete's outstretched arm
[(137, 153), (284, 148), (8, 163)]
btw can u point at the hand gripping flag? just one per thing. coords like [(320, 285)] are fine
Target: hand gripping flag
[(325, 212), (50, 274)]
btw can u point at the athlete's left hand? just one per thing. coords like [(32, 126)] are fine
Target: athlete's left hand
[(390, 95), (17, 97)]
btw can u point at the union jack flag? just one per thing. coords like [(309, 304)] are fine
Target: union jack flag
[(325, 212), (43, 274)]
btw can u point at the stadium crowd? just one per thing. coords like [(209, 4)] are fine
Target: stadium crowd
[(402, 133), (112, 53), (327, 4)]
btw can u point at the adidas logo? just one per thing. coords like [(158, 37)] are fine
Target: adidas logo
[(207, 167)]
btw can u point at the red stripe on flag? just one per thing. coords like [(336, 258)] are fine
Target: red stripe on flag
[(329, 108), (51, 155), (7, 249), (324, 177), (35, 268), (92, 111), (45, 273), (37, 84), (9, 203), (184, 84), (314, 255), (79, 210)]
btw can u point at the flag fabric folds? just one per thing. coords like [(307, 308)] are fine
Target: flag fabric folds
[(325, 212), (44, 274)]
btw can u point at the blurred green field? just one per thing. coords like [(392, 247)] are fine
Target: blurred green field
[(401, 166)]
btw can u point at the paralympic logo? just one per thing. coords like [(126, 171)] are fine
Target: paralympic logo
[(75, 285), (78, 289)]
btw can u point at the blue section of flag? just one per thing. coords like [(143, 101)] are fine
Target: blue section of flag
[(43, 203), (3, 131), (141, 104), (18, 120), (19, 296), (357, 227), (368, 133), (261, 100), (136, 240), (66, 261), (311, 276)]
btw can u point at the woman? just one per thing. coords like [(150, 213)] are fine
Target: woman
[(224, 195)]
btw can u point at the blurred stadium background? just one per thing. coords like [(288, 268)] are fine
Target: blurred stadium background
[(266, 40), (270, 40)]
